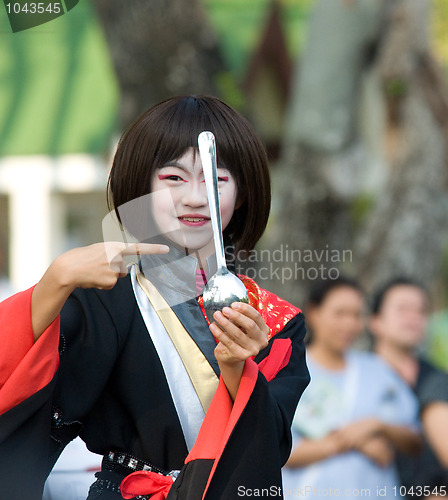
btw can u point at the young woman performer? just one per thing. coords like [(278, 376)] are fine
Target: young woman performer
[(129, 362)]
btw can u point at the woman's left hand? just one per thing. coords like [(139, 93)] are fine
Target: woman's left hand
[(245, 333)]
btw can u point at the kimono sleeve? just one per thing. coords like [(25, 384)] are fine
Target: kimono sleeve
[(32, 430), (27, 379), (26, 366)]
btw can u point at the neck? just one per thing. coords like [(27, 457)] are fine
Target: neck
[(174, 273), (202, 260), (402, 359), (329, 358)]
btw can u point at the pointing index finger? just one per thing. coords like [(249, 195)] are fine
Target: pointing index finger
[(145, 248)]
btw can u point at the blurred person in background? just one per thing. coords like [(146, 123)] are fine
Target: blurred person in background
[(355, 413), (398, 324)]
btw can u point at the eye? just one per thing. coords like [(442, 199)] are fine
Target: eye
[(171, 177), (221, 179)]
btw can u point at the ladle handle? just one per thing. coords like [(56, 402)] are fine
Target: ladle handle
[(207, 151)]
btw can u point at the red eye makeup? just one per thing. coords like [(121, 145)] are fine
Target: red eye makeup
[(172, 177), (222, 179)]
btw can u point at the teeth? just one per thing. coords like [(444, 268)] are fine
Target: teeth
[(193, 219)]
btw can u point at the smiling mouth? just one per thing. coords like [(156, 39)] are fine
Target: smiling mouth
[(194, 221)]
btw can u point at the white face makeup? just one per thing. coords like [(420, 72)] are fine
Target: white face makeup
[(180, 203)]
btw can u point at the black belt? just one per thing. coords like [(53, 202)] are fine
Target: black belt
[(124, 464)]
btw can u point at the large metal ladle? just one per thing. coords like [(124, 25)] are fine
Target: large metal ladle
[(223, 288)]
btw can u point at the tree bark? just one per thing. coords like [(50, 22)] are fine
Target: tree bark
[(389, 216), (159, 48), (406, 231)]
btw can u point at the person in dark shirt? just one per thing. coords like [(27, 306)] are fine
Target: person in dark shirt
[(398, 324)]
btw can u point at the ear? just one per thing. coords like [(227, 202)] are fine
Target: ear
[(311, 313)]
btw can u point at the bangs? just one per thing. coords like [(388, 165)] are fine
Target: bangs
[(183, 123)]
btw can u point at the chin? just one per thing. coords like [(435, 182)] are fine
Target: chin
[(197, 248), (189, 242), (411, 339), (410, 344)]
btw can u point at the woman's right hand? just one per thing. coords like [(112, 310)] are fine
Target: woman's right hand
[(98, 265), (95, 266)]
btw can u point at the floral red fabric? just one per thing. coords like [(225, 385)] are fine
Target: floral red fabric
[(275, 311)]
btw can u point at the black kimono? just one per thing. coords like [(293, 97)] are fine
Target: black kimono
[(109, 387)]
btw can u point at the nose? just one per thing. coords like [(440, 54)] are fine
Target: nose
[(195, 194)]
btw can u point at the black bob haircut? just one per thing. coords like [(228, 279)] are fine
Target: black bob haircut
[(380, 295), (320, 289), (165, 132)]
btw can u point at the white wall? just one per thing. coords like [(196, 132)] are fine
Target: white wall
[(42, 194)]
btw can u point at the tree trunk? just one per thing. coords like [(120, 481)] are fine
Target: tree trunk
[(406, 232), (159, 48), (373, 211)]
